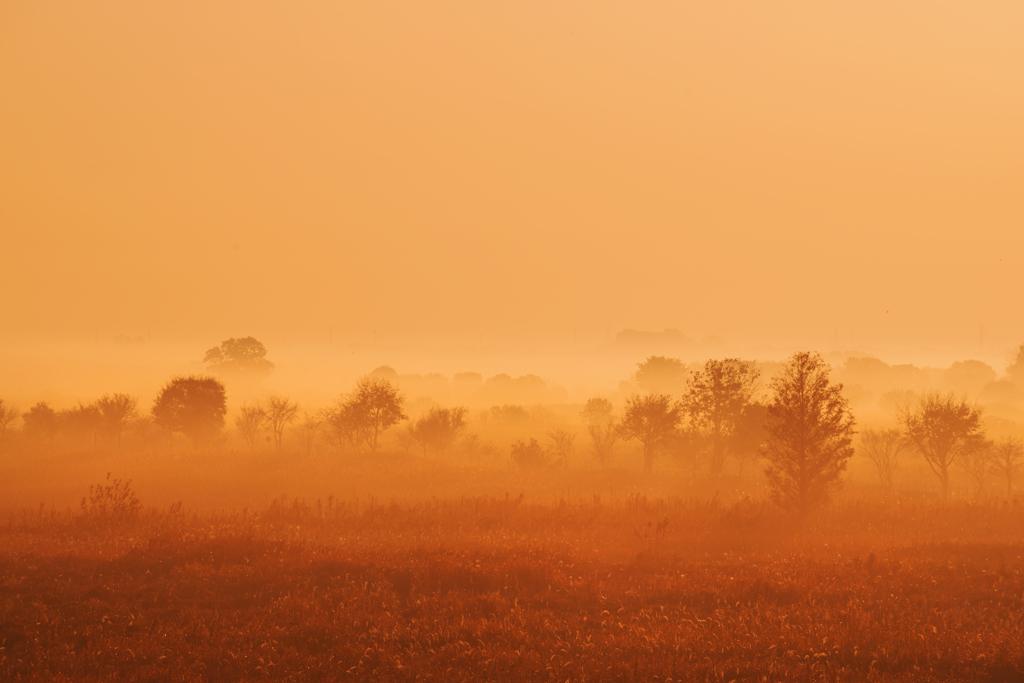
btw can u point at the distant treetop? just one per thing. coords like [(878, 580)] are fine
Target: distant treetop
[(245, 356)]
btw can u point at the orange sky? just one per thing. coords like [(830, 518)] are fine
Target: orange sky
[(766, 172)]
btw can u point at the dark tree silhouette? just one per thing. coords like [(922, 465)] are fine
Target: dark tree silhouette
[(117, 411), (651, 420), (374, 406), (716, 397), (529, 455), (809, 434), (84, 420), (193, 405), (243, 358), (662, 375), (942, 427)]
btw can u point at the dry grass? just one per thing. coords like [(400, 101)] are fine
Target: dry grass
[(498, 589)]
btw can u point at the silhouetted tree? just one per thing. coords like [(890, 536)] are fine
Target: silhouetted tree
[(661, 375), (8, 414), (562, 445), (245, 357), (529, 455), (809, 434), (281, 412), (747, 440), (193, 405), (249, 422), (116, 411), (604, 432), (1007, 460), (715, 399), (652, 421), (942, 427), (883, 447), (41, 422), (374, 406)]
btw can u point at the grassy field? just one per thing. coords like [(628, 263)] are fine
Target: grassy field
[(498, 588)]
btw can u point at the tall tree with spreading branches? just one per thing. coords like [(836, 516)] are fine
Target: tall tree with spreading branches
[(942, 428), (651, 420), (809, 434)]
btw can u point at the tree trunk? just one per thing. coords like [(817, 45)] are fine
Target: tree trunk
[(648, 459), (944, 479)]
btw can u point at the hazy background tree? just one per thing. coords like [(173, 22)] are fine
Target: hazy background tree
[(562, 445), (1007, 460), (309, 429), (809, 434), (529, 455), (747, 441), (8, 414), (883, 447), (976, 462), (1015, 370), (438, 430), (84, 421), (941, 428), (652, 421), (716, 396), (378, 405), (194, 406), (40, 423), (280, 412), (249, 422), (244, 358), (662, 375), (604, 432), (117, 411)]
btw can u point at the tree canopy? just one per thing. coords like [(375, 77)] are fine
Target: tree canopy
[(194, 406), (651, 420), (942, 427), (245, 357)]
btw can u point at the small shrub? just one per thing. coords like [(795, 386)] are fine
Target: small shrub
[(113, 502)]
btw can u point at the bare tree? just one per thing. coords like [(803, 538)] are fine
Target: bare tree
[(809, 434), (604, 432), (309, 428), (976, 462), (8, 414), (1007, 460), (652, 421), (117, 410), (883, 447), (437, 430), (562, 445), (281, 412), (942, 427), (715, 399), (249, 422)]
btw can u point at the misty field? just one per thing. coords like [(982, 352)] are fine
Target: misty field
[(499, 588)]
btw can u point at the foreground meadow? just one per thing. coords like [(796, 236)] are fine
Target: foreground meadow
[(501, 589)]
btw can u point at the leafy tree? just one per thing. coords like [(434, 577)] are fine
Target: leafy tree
[(309, 428), (1007, 460), (883, 447), (942, 427), (280, 412), (715, 399), (245, 357), (41, 422), (529, 455), (604, 432), (116, 412), (374, 406), (748, 438), (249, 422), (651, 420), (193, 405), (809, 434), (661, 375), (8, 414)]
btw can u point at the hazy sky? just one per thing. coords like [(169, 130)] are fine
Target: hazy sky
[(764, 172)]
